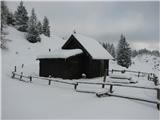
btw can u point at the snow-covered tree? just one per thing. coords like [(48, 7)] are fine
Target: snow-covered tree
[(4, 18), (11, 19), (4, 14), (21, 17), (40, 27), (32, 32), (7, 18), (123, 53), (110, 48), (46, 27), (112, 51), (134, 53)]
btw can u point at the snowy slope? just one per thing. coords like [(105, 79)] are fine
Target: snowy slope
[(22, 52), (146, 63), (37, 100)]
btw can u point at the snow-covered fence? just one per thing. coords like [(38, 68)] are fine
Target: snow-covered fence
[(20, 76), (103, 84), (154, 78), (53, 80), (131, 71), (129, 86), (127, 97), (150, 76)]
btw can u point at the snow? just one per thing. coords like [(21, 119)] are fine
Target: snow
[(92, 46), (147, 63), (121, 76), (61, 53), (38, 100)]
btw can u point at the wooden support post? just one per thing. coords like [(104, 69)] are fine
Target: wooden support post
[(30, 78), (21, 75), (138, 74), (15, 68), (112, 70), (104, 79), (75, 86), (155, 80), (111, 89), (22, 65), (49, 82), (13, 74), (158, 97), (158, 106), (158, 93), (148, 76)]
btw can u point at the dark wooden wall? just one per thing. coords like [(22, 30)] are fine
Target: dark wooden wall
[(96, 68), (63, 68)]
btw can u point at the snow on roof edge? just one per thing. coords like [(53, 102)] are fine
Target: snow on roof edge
[(97, 52), (60, 53)]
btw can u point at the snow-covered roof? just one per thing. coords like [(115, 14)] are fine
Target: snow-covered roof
[(93, 47), (61, 53)]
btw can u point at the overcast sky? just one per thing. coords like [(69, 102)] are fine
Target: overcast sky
[(104, 21)]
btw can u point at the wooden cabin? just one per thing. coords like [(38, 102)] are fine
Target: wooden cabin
[(79, 55)]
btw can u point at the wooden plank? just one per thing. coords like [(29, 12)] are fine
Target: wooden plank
[(122, 85), (44, 78), (104, 79), (114, 70), (127, 97), (83, 91)]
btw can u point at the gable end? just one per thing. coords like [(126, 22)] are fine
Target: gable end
[(75, 42)]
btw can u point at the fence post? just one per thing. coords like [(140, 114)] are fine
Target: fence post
[(22, 65), (21, 75), (13, 74), (30, 78), (75, 86), (138, 74), (158, 97), (155, 80), (15, 68), (111, 89), (104, 79), (148, 76), (49, 82), (158, 93), (112, 70)]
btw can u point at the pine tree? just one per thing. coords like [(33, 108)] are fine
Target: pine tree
[(46, 27), (4, 19), (21, 17), (104, 45), (11, 19), (112, 51), (4, 14), (33, 33), (134, 53), (7, 18), (123, 53), (110, 48), (39, 27)]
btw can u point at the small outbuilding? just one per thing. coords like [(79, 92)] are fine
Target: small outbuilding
[(79, 55)]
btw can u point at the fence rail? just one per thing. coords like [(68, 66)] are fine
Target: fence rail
[(43, 78), (103, 84), (132, 71), (150, 76)]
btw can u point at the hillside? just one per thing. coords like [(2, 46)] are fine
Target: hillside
[(38, 100)]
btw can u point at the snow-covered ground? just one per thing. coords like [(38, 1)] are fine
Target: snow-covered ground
[(22, 100)]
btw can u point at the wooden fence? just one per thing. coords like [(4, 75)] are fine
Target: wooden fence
[(20, 76), (103, 84), (150, 76)]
